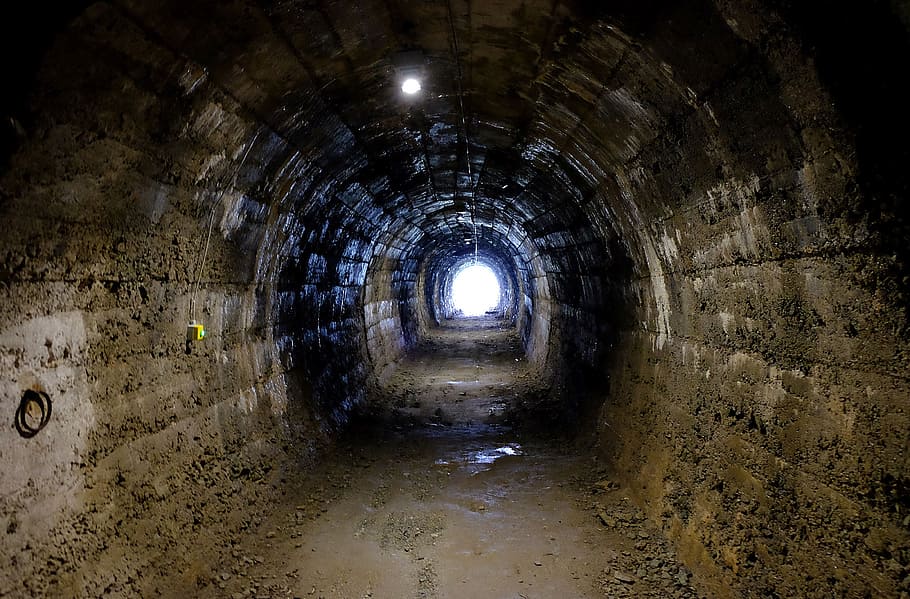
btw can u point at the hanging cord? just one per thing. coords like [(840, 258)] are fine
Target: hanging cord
[(464, 125), (208, 236)]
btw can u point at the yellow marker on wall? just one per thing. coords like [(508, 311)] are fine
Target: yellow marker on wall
[(195, 331)]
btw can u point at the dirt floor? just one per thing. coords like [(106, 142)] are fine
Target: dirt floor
[(434, 495)]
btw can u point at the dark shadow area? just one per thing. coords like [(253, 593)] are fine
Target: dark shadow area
[(27, 29), (859, 49)]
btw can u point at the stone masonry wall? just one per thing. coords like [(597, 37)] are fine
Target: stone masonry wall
[(758, 404)]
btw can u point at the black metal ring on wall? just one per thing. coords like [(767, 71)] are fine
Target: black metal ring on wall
[(28, 423)]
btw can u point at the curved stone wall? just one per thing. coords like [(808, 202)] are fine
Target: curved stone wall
[(696, 205)]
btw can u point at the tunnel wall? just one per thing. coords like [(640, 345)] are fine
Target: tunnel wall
[(704, 222), (390, 313), (153, 457), (758, 396)]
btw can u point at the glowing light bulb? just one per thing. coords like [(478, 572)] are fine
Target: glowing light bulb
[(410, 86)]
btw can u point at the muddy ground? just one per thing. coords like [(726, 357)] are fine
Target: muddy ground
[(434, 494)]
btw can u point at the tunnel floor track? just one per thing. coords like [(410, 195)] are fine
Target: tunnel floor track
[(435, 495)]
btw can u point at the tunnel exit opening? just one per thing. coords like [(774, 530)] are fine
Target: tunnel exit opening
[(475, 290)]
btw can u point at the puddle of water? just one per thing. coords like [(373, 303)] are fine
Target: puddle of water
[(488, 456), (483, 457), (497, 409)]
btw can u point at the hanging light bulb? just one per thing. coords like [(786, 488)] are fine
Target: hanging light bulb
[(410, 86), (409, 68)]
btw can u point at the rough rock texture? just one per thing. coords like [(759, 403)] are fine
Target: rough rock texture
[(762, 406), (694, 207)]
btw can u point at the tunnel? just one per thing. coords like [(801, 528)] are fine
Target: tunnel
[(230, 237)]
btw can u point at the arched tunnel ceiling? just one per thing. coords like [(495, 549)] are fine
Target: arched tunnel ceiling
[(585, 145), (540, 102), (697, 207)]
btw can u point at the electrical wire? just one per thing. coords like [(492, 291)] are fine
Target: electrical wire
[(464, 125), (208, 236), (201, 265)]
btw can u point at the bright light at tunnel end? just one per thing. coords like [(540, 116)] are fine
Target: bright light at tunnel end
[(475, 290), (410, 86)]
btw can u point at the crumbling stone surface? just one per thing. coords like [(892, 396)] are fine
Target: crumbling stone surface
[(695, 208)]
